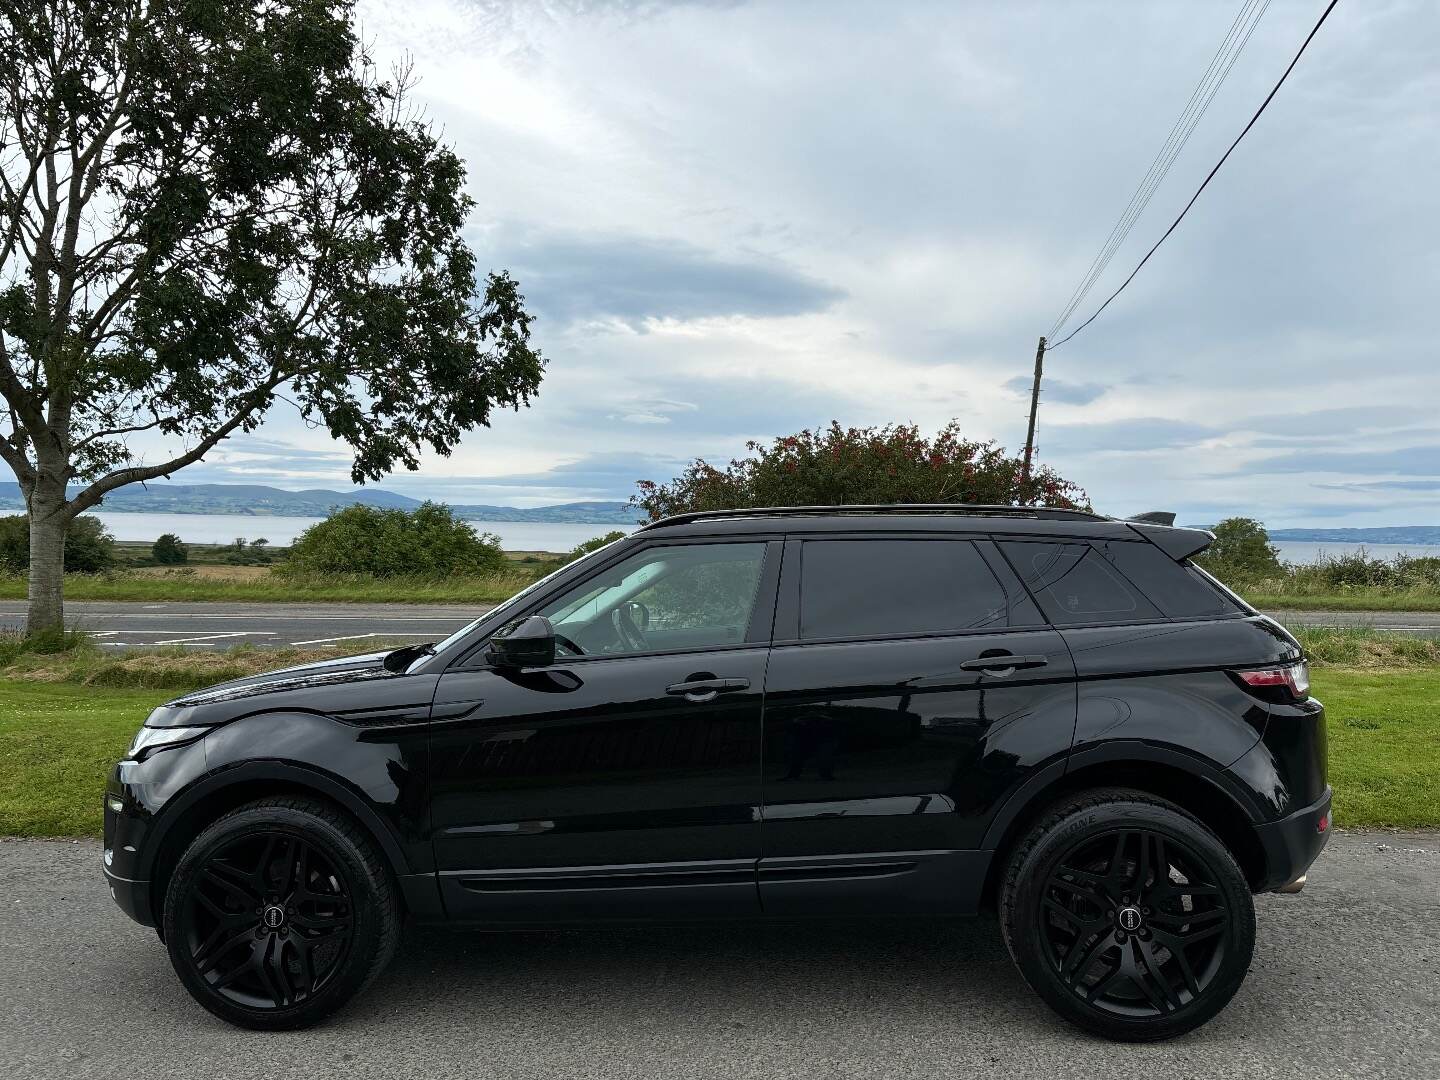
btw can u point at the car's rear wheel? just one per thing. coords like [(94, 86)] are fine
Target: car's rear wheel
[(278, 913), (1128, 916)]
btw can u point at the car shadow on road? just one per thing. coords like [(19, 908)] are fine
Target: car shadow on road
[(631, 975)]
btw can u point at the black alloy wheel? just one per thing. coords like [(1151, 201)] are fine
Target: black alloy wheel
[(278, 913), (1128, 916), (268, 920), (1134, 923)]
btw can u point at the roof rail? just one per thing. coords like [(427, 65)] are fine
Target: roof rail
[(957, 509)]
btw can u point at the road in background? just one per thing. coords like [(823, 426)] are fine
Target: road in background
[(349, 627), (1345, 983), (346, 627)]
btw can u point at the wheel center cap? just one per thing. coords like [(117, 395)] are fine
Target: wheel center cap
[(1129, 918), (273, 917)]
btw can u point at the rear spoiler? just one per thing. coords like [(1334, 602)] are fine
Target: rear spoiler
[(1178, 543)]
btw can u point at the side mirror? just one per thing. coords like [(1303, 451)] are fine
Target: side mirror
[(527, 642), (639, 614)]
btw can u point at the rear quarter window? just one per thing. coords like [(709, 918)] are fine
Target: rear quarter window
[(1177, 589), (1075, 585)]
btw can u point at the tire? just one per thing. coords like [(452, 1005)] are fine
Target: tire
[(1109, 943), (280, 912)]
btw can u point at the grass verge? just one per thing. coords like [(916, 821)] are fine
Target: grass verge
[(1384, 732), (1362, 599), (63, 726), (262, 585), (57, 743), (1361, 647)]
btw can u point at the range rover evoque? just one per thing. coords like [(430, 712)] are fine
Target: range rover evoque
[(773, 714)]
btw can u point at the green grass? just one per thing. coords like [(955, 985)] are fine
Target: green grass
[(58, 739), (1384, 745), (57, 744), (1363, 647), (173, 668), (1358, 599)]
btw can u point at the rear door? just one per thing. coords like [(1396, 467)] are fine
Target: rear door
[(912, 687)]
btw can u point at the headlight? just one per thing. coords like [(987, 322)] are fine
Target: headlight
[(149, 739)]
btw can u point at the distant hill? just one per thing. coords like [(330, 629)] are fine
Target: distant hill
[(1396, 534), (258, 500)]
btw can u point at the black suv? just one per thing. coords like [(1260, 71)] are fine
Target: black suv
[(779, 714)]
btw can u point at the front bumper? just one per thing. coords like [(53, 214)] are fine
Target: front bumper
[(132, 896), (127, 827), (1293, 843)]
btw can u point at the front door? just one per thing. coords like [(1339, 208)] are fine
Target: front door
[(623, 780), (912, 687)]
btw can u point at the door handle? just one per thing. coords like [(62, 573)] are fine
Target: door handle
[(1006, 662), (702, 690)]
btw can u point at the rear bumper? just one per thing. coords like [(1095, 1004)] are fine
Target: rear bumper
[(1293, 843)]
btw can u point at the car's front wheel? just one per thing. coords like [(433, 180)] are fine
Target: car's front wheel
[(1128, 916), (278, 913)]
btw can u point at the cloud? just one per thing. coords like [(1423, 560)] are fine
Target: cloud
[(634, 279), (1143, 433), (1386, 485), (592, 477), (706, 206), (1328, 423), (1057, 390), (1407, 461)]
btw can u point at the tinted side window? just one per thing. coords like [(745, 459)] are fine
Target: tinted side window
[(661, 599), (1173, 588), (1073, 584), (877, 588)]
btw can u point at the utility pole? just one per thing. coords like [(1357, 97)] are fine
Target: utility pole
[(1034, 405)]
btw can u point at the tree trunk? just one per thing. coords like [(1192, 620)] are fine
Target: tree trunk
[(48, 525)]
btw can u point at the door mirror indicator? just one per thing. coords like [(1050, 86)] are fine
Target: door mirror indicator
[(524, 643)]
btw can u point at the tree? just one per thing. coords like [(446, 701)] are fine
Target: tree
[(426, 542), (169, 551), (207, 206), (891, 464), (1242, 551), (595, 544), (89, 548)]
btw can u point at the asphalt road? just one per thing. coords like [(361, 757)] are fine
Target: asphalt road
[(349, 627), (1346, 983), (345, 627)]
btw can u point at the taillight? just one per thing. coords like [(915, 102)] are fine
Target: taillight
[(1294, 676)]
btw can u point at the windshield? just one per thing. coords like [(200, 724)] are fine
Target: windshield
[(534, 586)]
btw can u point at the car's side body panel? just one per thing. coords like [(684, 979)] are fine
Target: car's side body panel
[(360, 742), (889, 749), (585, 789)]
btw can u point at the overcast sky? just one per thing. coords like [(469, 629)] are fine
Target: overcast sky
[(736, 220)]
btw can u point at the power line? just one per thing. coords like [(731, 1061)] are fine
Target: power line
[(1233, 44), (1206, 183)]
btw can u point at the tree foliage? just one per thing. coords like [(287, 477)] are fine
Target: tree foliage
[(1242, 551), (426, 542), (169, 551), (208, 206), (89, 547), (838, 465), (595, 544)]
